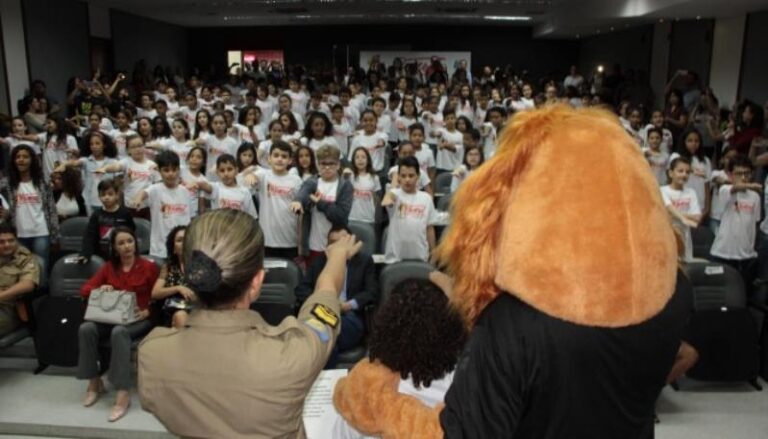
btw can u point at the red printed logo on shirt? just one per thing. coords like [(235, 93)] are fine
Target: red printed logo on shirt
[(230, 204), (745, 206), (415, 211), (279, 191), (682, 204), (27, 199), (363, 195), (169, 209), (134, 175)]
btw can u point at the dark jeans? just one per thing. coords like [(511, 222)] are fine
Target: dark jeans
[(352, 331)]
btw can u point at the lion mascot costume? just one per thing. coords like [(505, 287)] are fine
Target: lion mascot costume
[(564, 262)]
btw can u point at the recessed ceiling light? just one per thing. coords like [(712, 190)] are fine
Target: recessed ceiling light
[(612, 28), (506, 17)]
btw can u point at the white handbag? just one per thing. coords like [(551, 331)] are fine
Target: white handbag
[(114, 307)]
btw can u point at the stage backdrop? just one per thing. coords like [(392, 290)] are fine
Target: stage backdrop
[(449, 59)]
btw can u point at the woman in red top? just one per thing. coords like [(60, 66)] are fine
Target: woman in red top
[(125, 271), (749, 124)]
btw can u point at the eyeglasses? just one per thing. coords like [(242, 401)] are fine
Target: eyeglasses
[(328, 164)]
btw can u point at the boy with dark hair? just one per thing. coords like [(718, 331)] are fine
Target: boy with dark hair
[(168, 203), (412, 216), (735, 241), (104, 219)]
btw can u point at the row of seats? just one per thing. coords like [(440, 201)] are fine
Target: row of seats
[(276, 301), (73, 229)]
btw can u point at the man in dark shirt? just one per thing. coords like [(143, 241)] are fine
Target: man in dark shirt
[(361, 288)]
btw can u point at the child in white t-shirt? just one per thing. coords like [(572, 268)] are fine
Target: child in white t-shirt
[(657, 159), (473, 158), (193, 174), (138, 174), (178, 142), (324, 200), (318, 132), (404, 150), (412, 216), (735, 241), (218, 144), (383, 121), (719, 178), (408, 116), (449, 144), (168, 203), (681, 202), (367, 186), (57, 145), (226, 193), (657, 121), (103, 153), (19, 136), (372, 140), (275, 135), (432, 120), (494, 121), (351, 113), (120, 133), (701, 168), (423, 152), (249, 127), (277, 188), (342, 130)]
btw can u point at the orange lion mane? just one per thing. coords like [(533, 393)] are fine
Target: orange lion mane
[(567, 217)]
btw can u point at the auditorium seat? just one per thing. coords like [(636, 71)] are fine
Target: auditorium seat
[(722, 328), (702, 238), (68, 275), (443, 184), (366, 233), (143, 234), (277, 299), (72, 231), (395, 273)]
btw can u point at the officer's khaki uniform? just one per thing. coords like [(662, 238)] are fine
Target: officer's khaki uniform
[(229, 374), (22, 266)]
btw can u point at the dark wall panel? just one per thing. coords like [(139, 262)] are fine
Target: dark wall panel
[(754, 71), (631, 49), (158, 43), (691, 47), (57, 42)]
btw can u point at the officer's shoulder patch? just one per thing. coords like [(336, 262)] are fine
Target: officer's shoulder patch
[(326, 315)]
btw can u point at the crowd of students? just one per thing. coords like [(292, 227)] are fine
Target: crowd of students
[(306, 156)]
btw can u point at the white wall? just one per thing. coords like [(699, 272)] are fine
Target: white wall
[(14, 50), (727, 45)]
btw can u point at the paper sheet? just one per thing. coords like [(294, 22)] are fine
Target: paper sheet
[(319, 414)]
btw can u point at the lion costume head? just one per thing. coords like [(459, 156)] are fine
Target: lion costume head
[(567, 217)]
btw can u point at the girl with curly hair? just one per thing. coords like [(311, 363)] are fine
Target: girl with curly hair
[(416, 341)]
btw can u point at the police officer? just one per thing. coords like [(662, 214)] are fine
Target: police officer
[(19, 275), (228, 374)]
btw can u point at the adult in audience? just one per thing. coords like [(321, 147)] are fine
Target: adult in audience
[(360, 288), (19, 275), (417, 338), (127, 271), (227, 373), (170, 286), (574, 79)]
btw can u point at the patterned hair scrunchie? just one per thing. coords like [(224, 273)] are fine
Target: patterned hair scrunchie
[(203, 274)]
